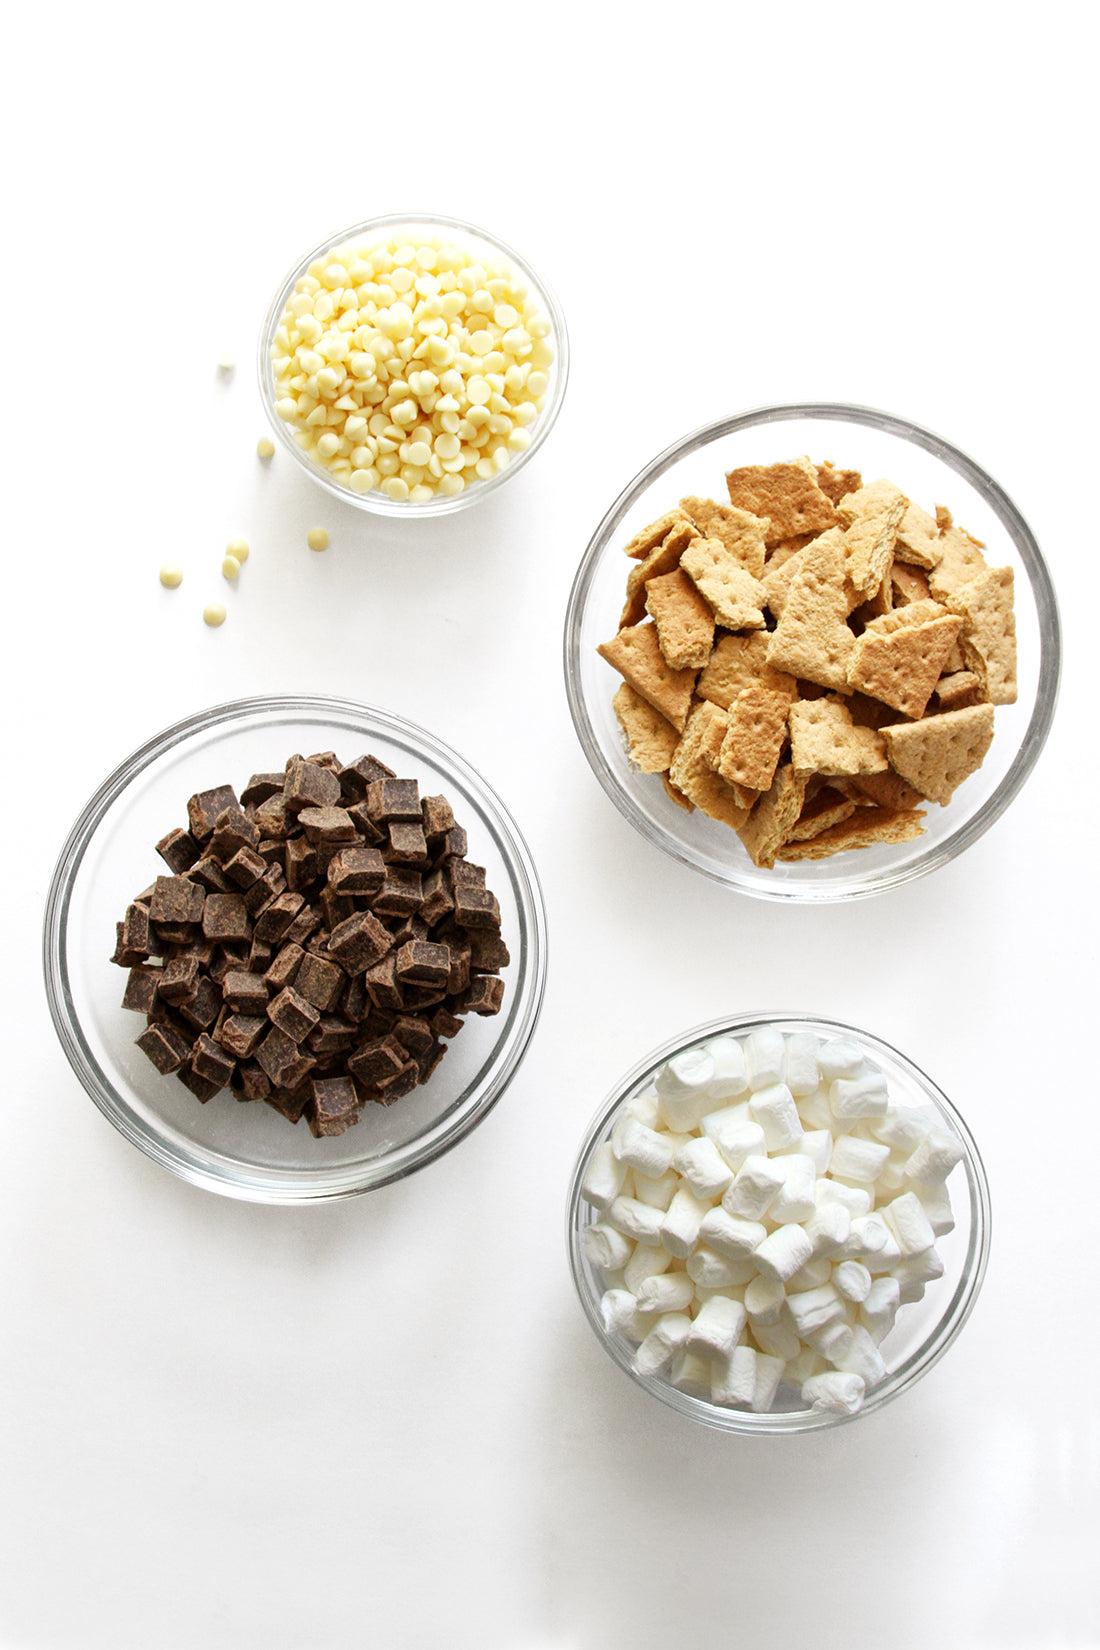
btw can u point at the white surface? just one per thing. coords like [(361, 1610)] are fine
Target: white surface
[(386, 1421)]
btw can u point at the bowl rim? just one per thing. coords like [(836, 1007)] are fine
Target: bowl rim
[(957, 1309), (1050, 646), (332, 1182), (442, 504)]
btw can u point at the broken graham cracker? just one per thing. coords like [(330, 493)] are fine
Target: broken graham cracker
[(739, 662), (777, 811), (837, 484), (756, 732), (918, 538), (961, 560), (938, 753), (957, 691), (901, 666), (735, 596), (887, 790), (819, 812), (651, 740), (989, 631), (661, 559), (865, 828), (684, 620), (812, 639), (787, 495), (739, 531), (649, 537), (871, 519), (636, 654), (692, 774), (825, 740)]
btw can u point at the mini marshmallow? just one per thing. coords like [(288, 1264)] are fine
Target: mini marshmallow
[(812, 1275), (909, 1224), (658, 1193), (636, 1220), (840, 1057), (794, 1200), (605, 1247), (740, 1272), (803, 1368), (738, 1140), (878, 1311), (818, 1145), (716, 1328), (833, 1342), (862, 1357), (902, 1128), (643, 1264), (774, 1109), (756, 1184), (703, 1167), (642, 1148), (765, 1057), (708, 1268), (603, 1178), (783, 1252), (730, 1235), (815, 1111), (935, 1157), (835, 1392), (680, 1227), (618, 1309), (730, 1078), (664, 1339), (668, 1292), (856, 1199), (892, 1180), (733, 1382), (884, 1259), (769, 1373), (802, 1071), (764, 1299), (855, 1159), (690, 1373), (936, 1203), (812, 1310), (923, 1268), (681, 1088), (852, 1280), (828, 1229), (863, 1096), (778, 1340), (644, 1107), (871, 1236)]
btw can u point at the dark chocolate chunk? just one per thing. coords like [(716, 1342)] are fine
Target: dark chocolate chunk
[(327, 825), (201, 1087), (276, 917), (403, 1083), (371, 833), (377, 1061), (210, 1061), (444, 1023), (437, 816), (240, 1034), (141, 989), (259, 957), (437, 902), (292, 1014), (290, 1106), (209, 875), (254, 1081), (264, 890), (245, 992), (136, 933), (320, 982), (309, 785), (427, 1062), (203, 810), (178, 850), (179, 979), (356, 871), (276, 1055), (307, 922), (453, 845), (176, 900), (382, 985), (475, 907), (331, 1035), (390, 799), (465, 871), (302, 865), (402, 892), (407, 844), (225, 917), (419, 962), (356, 1001), (355, 778), (284, 969), (424, 996), (122, 955), (245, 867), (484, 995), (488, 951), (358, 942), (273, 819), (201, 1009), (166, 1047), (413, 1034), (333, 1106), (233, 830), (260, 787)]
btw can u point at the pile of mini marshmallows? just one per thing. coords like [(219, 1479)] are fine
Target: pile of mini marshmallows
[(763, 1212), (410, 368)]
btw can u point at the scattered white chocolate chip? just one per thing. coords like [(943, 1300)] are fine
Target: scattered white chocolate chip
[(171, 576), (231, 568), (317, 538), (265, 448), (238, 549), (213, 614)]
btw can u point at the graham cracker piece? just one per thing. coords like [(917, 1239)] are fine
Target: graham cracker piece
[(736, 597), (755, 736), (786, 494), (649, 537), (962, 560), (837, 484), (918, 540), (742, 533), (960, 689), (864, 829), (677, 796), (707, 726), (905, 618), (887, 789), (740, 662), (989, 632), (825, 740), (938, 753), (777, 811), (812, 638), (956, 659), (827, 808), (691, 773), (685, 623), (661, 559), (871, 518), (636, 654), (650, 739), (788, 547), (902, 666), (910, 584), (864, 711), (943, 517), (780, 574)]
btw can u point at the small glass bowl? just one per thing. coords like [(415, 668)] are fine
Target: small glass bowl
[(930, 471), (468, 238), (248, 1150), (924, 1329)]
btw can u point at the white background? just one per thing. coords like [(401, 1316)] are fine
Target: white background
[(386, 1422)]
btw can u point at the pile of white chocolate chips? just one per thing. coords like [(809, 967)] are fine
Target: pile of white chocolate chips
[(409, 366), (763, 1211)]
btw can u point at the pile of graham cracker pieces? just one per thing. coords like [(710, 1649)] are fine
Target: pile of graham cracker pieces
[(813, 661)]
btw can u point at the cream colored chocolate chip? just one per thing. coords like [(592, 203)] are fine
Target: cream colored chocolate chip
[(213, 614), (231, 568), (238, 549), (265, 448), (171, 576), (317, 538)]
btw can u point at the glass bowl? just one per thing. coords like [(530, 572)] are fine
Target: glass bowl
[(932, 472), (924, 1329), (250, 1151), (468, 238)]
